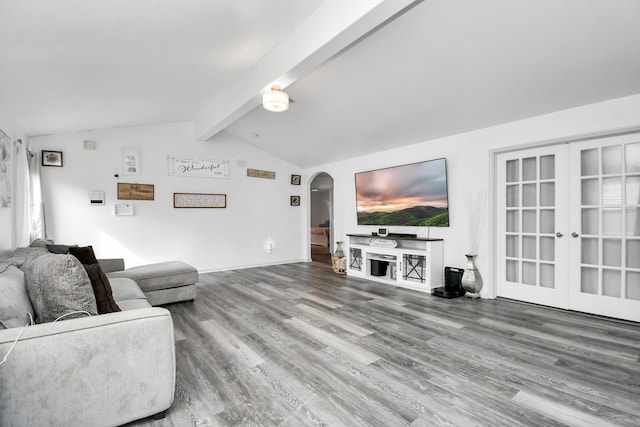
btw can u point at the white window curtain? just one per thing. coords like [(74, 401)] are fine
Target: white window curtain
[(5, 170), (29, 206)]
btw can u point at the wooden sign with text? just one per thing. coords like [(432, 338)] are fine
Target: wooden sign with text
[(127, 191), (257, 173)]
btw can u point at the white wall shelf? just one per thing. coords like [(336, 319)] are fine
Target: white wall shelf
[(412, 262)]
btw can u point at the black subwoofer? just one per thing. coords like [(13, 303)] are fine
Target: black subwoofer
[(452, 284)]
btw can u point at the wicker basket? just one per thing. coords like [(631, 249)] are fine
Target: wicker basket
[(339, 264)]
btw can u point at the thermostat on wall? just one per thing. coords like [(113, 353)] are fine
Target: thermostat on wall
[(96, 197)]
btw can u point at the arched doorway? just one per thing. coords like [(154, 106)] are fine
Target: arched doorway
[(321, 233)]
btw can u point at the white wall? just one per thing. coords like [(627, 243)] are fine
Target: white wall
[(11, 127), (257, 213), (469, 168)]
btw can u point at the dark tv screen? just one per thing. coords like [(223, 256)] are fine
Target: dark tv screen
[(413, 195)]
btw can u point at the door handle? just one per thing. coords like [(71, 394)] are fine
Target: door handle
[(559, 234), (574, 234)]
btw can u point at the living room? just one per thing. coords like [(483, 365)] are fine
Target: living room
[(258, 226)]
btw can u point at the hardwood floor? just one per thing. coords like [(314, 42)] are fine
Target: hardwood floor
[(321, 254), (296, 345)]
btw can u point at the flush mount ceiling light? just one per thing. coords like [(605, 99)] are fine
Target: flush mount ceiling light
[(275, 100)]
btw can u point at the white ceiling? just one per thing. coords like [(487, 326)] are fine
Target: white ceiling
[(440, 68)]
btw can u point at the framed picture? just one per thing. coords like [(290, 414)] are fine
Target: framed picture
[(199, 200), (52, 158), (295, 179), (130, 161), (295, 201), (203, 168)]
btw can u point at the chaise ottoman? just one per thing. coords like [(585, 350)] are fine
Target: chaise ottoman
[(162, 283)]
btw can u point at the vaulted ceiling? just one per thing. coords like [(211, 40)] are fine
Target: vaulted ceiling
[(365, 76)]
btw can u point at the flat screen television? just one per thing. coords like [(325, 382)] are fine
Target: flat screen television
[(413, 195)]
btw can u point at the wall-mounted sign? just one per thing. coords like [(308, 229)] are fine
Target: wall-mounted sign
[(257, 173), (131, 161), (199, 200), (183, 166), (128, 191), (124, 209)]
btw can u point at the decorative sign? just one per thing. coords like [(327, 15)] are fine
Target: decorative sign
[(130, 161), (257, 173), (199, 200), (135, 191), (124, 209), (182, 166)]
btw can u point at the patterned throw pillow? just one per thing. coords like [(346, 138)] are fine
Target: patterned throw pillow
[(57, 285)]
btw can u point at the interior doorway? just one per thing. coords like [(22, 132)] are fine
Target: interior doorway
[(569, 233), (321, 223)]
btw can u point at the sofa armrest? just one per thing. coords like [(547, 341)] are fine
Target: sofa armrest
[(109, 265), (108, 369)]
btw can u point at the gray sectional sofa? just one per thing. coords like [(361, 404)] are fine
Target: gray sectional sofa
[(99, 370)]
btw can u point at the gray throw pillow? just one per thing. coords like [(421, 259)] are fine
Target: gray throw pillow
[(15, 306), (57, 285), (19, 256)]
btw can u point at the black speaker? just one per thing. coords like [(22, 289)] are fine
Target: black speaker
[(452, 284), (379, 268)]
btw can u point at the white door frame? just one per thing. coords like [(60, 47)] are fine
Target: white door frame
[(492, 288)]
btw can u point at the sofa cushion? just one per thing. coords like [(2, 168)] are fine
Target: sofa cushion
[(99, 281), (111, 264), (15, 306), (128, 295), (57, 285), (134, 304), (125, 289), (162, 275)]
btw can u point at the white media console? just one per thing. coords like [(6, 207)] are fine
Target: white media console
[(409, 262)]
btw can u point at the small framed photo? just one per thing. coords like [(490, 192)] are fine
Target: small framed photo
[(52, 158), (295, 201), (295, 179)]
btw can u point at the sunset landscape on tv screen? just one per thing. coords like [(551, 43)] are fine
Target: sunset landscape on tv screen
[(413, 195)]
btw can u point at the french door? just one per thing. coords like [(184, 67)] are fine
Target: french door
[(532, 220), (569, 226)]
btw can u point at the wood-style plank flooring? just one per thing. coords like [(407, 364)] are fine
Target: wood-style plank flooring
[(297, 345)]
